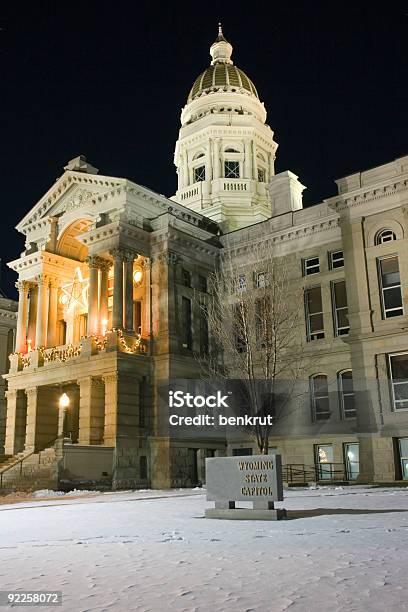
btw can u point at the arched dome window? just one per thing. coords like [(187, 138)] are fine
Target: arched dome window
[(385, 235), (198, 155), (231, 150)]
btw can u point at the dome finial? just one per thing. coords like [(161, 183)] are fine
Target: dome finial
[(221, 49)]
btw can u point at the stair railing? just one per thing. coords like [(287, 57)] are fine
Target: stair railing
[(21, 460)]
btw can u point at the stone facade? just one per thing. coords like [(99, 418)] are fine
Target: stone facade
[(111, 279)]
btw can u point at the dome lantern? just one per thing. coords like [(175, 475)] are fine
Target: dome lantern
[(221, 49)]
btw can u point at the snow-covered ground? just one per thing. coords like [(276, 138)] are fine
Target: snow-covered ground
[(154, 551)]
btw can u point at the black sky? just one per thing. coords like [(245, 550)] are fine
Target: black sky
[(108, 79)]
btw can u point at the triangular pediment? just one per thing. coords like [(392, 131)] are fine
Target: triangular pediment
[(72, 191)]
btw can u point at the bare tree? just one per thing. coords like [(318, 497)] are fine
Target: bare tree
[(255, 318)]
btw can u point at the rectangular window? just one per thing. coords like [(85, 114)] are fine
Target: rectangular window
[(186, 334), (403, 453), (336, 259), (204, 337), (231, 169), (319, 390), (340, 309), (346, 389), (260, 280), (311, 266), (314, 314), (390, 284), (261, 175), (242, 284), (186, 278), (199, 174), (240, 344), (398, 365), (202, 283)]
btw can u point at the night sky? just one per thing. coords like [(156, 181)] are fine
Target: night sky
[(108, 80)]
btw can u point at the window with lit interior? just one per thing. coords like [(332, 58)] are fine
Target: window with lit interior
[(314, 314)]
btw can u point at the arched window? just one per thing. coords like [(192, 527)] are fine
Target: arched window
[(319, 392), (198, 155), (385, 235), (231, 150), (346, 391)]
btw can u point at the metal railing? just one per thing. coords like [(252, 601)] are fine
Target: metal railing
[(299, 473), (21, 460)]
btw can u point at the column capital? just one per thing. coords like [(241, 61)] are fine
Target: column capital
[(31, 391), (22, 286), (169, 258), (110, 377), (94, 261), (42, 280)]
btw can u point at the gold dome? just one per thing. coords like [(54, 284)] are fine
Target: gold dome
[(220, 76)]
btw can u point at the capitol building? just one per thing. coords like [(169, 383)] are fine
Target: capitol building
[(108, 307)]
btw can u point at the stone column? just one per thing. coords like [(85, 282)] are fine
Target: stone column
[(129, 258), (216, 158), (93, 314), (185, 170), (103, 294), (247, 160), (117, 318), (146, 313), (32, 315), (31, 429), (21, 336), (16, 422), (41, 324), (91, 410), (254, 161), (52, 332), (111, 409), (271, 158)]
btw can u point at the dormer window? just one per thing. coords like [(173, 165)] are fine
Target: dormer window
[(385, 235), (199, 174), (231, 169)]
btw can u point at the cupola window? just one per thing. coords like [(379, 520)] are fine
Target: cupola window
[(199, 174), (231, 169)]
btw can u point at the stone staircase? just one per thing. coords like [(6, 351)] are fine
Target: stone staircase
[(29, 471)]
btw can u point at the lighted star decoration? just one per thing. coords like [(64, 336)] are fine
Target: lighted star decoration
[(75, 293)]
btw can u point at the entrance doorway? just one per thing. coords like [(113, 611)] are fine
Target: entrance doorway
[(351, 460), (324, 461)]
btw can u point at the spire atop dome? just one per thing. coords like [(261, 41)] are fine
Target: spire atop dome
[(221, 50), (220, 34)]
